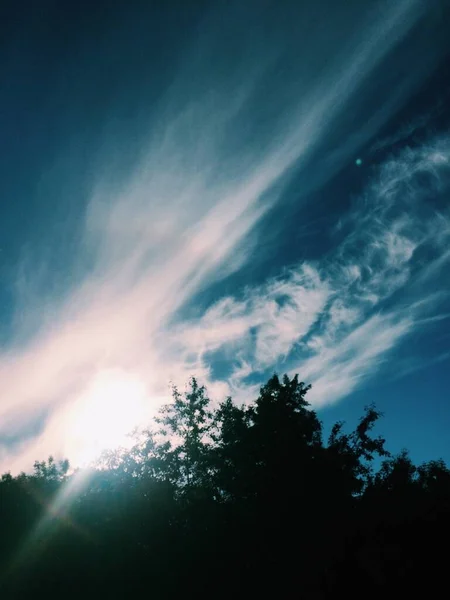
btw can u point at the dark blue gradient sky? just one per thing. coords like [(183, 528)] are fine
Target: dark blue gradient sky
[(222, 189)]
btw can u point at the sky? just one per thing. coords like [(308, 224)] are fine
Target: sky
[(227, 190)]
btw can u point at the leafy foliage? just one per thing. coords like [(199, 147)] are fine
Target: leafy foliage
[(225, 500)]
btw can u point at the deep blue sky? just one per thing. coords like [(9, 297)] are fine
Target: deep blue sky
[(223, 189)]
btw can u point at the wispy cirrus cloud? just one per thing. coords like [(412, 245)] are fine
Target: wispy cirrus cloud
[(180, 221), (336, 320)]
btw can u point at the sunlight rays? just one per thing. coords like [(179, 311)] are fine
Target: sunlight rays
[(113, 405)]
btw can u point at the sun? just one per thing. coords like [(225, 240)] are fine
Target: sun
[(112, 406)]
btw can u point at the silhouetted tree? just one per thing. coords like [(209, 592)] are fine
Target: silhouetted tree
[(186, 424), (233, 500)]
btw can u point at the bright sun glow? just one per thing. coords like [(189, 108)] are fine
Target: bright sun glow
[(112, 406)]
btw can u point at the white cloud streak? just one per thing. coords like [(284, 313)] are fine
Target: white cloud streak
[(175, 225), (341, 316)]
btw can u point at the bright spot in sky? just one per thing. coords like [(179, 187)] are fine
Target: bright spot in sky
[(112, 406), (358, 162)]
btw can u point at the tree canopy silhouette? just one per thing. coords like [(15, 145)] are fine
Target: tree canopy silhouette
[(219, 500)]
